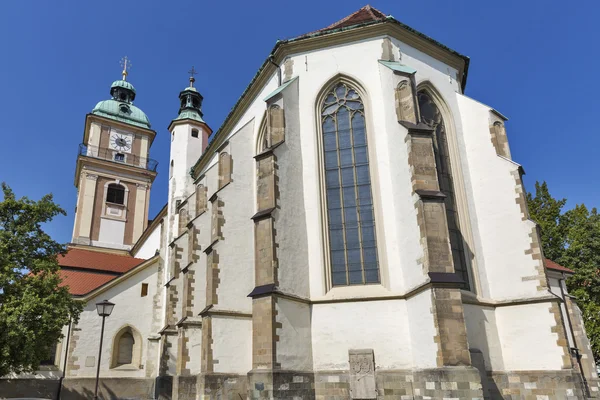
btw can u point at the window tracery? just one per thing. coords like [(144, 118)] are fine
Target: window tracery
[(351, 223)]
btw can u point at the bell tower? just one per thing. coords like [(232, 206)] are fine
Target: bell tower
[(189, 138), (114, 173)]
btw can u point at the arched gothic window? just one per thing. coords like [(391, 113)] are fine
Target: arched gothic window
[(115, 194), (432, 116), (125, 354), (351, 224)]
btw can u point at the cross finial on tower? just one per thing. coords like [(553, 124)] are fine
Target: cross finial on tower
[(192, 72), (126, 64)]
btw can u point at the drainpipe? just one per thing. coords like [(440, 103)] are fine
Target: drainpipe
[(278, 70), (60, 380), (574, 349)]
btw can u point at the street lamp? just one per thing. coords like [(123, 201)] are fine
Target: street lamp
[(104, 309)]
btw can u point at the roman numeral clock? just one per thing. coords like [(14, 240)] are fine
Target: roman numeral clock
[(121, 142)]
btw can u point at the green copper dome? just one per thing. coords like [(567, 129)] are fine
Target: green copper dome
[(122, 84), (120, 107), (123, 112), (191, 103), (189, 114)]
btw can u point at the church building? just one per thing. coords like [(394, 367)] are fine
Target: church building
[(355, 229)]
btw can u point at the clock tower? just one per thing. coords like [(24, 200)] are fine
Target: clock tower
[(114, 172)]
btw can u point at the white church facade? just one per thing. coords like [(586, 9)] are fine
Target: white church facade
[(356, 229)]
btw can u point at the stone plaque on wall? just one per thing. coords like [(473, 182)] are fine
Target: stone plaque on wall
[(90, 361), (362, 374)]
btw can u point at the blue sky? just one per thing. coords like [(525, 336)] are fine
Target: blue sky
[(534, 61)]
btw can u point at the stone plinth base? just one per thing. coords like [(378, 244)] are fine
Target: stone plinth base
[(39, 388), (108, 388), (439, 383), (281, 385), (221, 386), (184, 387), (542, 385)]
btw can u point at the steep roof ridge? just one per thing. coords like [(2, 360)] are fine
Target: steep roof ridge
[(366, 8)]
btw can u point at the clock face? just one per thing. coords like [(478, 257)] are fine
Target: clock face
[(121, 142)]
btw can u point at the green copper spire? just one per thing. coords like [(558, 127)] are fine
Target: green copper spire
[(191, 101), (120, 107)]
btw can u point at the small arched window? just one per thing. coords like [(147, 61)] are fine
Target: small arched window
[(125, 354), (195, 133), (115, 194)]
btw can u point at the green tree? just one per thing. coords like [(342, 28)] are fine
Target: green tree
[(546, 211), (582, 254), (572, 239), (33, 308)]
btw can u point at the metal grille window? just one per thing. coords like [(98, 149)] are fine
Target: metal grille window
[(431, 115), (115, 194), (352, 242)]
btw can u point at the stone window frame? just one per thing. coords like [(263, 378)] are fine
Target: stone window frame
[(123, 207), (136, 356), (262, 140), (460, 193), (224, 156), (375, 187), (499, 139)]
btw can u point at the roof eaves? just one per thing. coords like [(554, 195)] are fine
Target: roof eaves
[(466, 59), (209, 149), (102, 288), (156, 221)]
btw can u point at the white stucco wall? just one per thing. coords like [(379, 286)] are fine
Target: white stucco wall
[(232, 344), (379, 325), (290, 227), (526, 338), (151, 244), (482, 334), (503, 235), (294, 347), (111, 232), (421, 330), (130, 309), (236, 250)]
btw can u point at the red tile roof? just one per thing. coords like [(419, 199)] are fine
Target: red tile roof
[(365, 14), (78, 268), (83, 282), (89, 259), (556, 267)]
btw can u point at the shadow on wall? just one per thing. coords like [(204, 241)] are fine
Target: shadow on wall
[(490, 389), (36, 388), (127, 388)]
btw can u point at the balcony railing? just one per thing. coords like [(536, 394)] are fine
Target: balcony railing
[(117, 157)]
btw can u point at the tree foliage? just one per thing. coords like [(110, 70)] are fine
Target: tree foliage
[(33, 308), (572, 239)]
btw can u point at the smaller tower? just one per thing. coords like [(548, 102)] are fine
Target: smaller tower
[(189, 138)]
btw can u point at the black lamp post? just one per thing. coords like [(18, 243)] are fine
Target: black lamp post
[(104, 309)]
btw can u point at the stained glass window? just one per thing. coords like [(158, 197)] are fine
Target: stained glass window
[(352, 241), (431, 115)]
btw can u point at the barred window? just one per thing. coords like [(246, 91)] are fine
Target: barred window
[(431, 115), (351, 224)]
